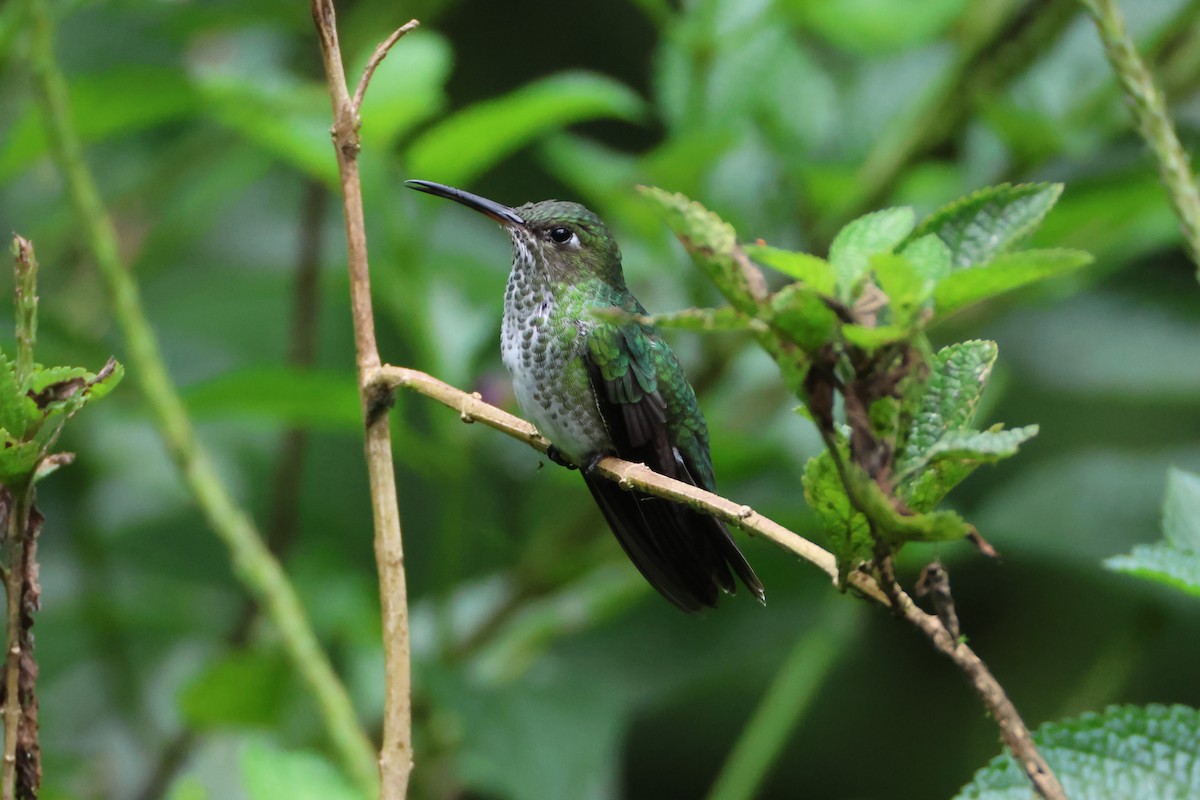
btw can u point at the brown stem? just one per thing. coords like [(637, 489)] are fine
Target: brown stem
[(12, 661), (395, 756), (21, 774)]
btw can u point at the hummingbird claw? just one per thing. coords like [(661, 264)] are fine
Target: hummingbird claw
[(556, 455), (593, 461)]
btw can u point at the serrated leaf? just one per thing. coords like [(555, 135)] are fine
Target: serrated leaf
[(18, 414), (981, 446), (1175, 561), (1004, 273), (100, 387), (958, 376), (877, 232), (1181, 509), (271, 773), (466, 144), (813, 271), (18, 460), (46, 376), (711, 241), (802, 315), (982, 225), (846, 528), (1125, 753), (1163, 563)]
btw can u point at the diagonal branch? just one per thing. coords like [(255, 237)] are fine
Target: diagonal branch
[(1013, 731)]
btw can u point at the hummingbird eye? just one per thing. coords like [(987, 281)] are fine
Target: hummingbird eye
[(561, 235)]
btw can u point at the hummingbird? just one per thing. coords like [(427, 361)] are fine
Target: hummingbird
[(596, 386)]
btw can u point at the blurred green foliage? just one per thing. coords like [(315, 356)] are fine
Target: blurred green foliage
[(544, 666)]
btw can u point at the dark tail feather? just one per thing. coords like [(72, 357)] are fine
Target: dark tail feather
[(685, 555)]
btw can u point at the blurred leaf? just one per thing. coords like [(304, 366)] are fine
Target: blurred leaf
[(18, 460), (1125, 752), (289, 122), (930, 255), (1003, 273), (407, 88), (906, 286), (324, 400), (872, 338), (872, 27), (271, 773), (189, 787), (239, 689), (877, 232), (802, 313), (466, 144), (552, 737), (1175, 561), (17, 412), (812, 270), (123, 100), (982, 225)]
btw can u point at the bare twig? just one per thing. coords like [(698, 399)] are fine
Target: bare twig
[(1149, 108), (253, 563), (377, 57), (395, 755), (1013, 731)]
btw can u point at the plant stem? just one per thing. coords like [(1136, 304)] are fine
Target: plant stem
[(1149, 108), (13, 580), (25, 299), (395, 755), (252, 562), (782, 705)]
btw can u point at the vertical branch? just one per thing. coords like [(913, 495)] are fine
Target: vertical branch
[(12, 659), (395, 756), (1153, 122), (254, 565)]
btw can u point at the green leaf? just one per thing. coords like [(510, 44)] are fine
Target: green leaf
[(1175, 561), (323, 400), (847, 529), (1181, 509), (1125, 753), (462, 147), (929, 256), (118, 102), (802, 314), (407, 88), (17, 412), (242, 688), (1163, 563), (290, 122), (1003, 274), (958, 375), (906, 287), (875, 27), (871, 338), (981, 446), (982, 225), (18, 460), (815, 272), (271, 773), (878, 232)]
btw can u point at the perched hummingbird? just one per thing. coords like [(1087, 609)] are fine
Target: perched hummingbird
[(596, 387)]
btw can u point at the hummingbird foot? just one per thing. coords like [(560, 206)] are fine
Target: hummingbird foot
[(591, 462), (556, 455)]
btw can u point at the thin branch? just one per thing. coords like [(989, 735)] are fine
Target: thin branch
[(377, 57), (1013, 731), (252, 562), (1149, 108), (14, 579), (395, 755)]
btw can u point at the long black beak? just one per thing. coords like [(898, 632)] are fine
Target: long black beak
[(502, 214)]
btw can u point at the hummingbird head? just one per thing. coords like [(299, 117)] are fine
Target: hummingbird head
[(565, 240)]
